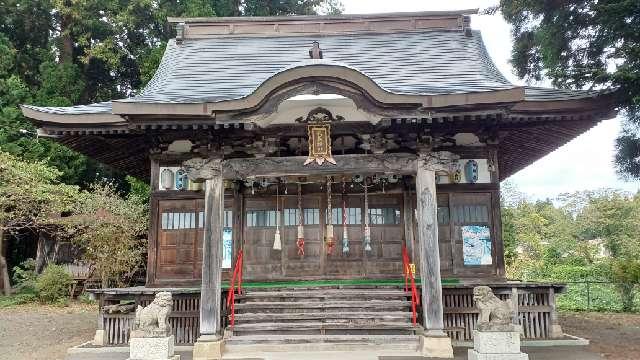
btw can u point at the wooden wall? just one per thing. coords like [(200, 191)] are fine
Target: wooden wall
[(175, 246)]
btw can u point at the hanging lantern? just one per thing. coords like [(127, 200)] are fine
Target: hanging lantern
[(471, 171), (167, 179), (195, 186), (182, 181), (329, 239), (367, 230), (300, 237)]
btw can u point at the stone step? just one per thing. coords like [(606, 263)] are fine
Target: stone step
[(247, 318), (324, 327), (381, 304), (326, 292), (309, 296), (405, 340)]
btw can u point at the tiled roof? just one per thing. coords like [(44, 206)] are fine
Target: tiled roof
[(426, 62)]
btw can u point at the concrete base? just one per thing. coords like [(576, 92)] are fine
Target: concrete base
[(208, 348), (152, 348), (556, 332), (496, 342), (437, 346), (474, 355), (496, 345), (100, 338)]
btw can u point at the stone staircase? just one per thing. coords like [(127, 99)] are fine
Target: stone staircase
[(332, 318)]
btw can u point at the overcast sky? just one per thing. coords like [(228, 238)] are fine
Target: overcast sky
[(585, 163)]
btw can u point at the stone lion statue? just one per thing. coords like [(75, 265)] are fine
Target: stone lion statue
[(153, 320), (494, 313)]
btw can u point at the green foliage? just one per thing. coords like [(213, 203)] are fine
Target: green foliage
[(110, 229), (85, 298), (31, 193), (564, 241), (17, 299), (25, 277), (53, 285), (583, 44)]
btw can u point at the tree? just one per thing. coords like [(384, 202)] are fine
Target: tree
[(110, 230), (615, 218), (584, 44), (31, 196)]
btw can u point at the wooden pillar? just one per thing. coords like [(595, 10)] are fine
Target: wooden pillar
[(429, 251), (556, 330), (435, 342), (212, 256), (408, 224)]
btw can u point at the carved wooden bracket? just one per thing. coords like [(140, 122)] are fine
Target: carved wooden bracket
[(319, 115), (199, 169), (437, 161)]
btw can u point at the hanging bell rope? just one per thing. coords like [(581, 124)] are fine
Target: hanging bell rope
[(367, 230), (329, 236), (345, 235), (277, 243), (300, 237)]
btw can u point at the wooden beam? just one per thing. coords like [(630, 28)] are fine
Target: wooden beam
[(401, 164)]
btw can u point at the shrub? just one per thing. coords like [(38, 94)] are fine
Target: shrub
[(25, 277), (17, 299), (53, 285), (87, 299)]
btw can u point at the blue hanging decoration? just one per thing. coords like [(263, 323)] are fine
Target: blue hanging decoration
[(471, 171), (182, 182)]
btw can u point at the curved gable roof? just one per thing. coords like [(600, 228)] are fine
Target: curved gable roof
[(408, 63)]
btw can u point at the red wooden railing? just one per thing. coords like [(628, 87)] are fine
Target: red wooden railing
[(237, 277), (409, 280)]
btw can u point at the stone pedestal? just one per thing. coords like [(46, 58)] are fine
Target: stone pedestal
[(208, 347), (100, 338), (496, 345), (152, 348), (436, 346)]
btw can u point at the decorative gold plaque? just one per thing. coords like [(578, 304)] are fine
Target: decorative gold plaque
[(319, 144)]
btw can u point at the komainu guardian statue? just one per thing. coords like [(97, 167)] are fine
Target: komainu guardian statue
[(495, 314), (153, 320)]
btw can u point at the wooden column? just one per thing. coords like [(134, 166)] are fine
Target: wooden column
[(408, 224), (212, 256), (428, 249)]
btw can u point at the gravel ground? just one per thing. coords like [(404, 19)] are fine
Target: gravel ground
[(45, 332), (614, 336)]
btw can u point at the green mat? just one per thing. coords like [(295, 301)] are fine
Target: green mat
[(317, 283)]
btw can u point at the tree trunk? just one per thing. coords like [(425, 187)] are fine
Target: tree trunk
[(5, 285), (66, 52), (47, 251)]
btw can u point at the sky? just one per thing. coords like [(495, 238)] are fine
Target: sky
[(585, 163)]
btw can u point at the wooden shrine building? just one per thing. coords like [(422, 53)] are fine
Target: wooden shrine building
[(333, 153)]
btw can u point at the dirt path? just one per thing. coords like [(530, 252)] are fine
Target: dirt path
[(615, 336), (44, 332)]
